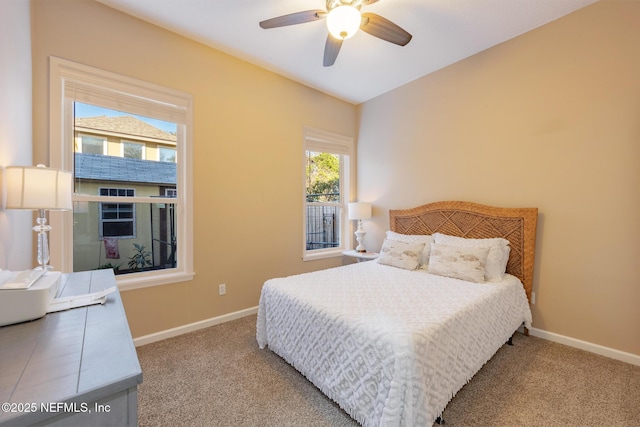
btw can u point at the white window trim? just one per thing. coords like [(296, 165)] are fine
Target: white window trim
[(173, 106), (323, 141)]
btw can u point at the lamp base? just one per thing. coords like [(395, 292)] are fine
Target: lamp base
[(360, 233), (42, 228)]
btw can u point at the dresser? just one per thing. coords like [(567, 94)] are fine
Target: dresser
[(71, 368)]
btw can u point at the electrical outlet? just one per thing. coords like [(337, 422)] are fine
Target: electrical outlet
[(533, 297), (222, 289)]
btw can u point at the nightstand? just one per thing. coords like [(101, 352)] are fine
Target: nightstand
[(361, 256)]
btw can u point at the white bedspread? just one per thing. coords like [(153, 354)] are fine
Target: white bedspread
[(390, 346)]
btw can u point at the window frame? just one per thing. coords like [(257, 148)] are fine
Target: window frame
[(323, 141), (69, 82)]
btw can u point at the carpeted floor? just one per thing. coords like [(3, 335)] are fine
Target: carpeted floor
[(218, 377)]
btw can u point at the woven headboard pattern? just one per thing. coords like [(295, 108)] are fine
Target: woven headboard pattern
[(472, 220)]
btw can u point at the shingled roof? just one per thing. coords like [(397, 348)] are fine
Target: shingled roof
[(110, 168), (126, 125)]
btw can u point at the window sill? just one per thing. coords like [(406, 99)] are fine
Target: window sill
[(312, 256), (146, 280)]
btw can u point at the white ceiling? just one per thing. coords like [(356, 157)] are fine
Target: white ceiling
[(444, 32)]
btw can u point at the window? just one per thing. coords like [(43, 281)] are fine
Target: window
[(117, 219), (130, 213), (133, 150), (167, 154), (326, 193), (92, 145)]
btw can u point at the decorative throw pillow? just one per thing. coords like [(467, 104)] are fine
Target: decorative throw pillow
[(460, 263), (400, 254), (415, 238), (498, 252)]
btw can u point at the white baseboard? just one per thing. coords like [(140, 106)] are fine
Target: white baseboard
[(634, 359), (169, 333)]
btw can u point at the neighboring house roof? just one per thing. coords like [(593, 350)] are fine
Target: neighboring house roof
[(127, 125), (110, 168)]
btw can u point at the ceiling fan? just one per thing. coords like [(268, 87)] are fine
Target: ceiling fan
[(343, 21)]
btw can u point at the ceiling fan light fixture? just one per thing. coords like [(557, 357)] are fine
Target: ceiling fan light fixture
[(343, 22)]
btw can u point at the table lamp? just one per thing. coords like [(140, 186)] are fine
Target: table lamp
[(360, 211), (39, 188)]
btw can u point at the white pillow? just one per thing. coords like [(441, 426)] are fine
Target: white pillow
[(498, 253), (400, 254), (466, 263), (415, 238)]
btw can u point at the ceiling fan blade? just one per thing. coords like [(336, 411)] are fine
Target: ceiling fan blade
[(293, 18), (384, 29), (331, 50)]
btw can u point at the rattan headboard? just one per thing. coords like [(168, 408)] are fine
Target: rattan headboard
[(472, 220)]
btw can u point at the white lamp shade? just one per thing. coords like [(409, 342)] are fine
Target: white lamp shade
[(343, 22), (38, 187), (359, 210)]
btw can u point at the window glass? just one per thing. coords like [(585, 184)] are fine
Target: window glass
[(91, 145), (323, 200), (167, 154), (120, 241), (132, 150), (120, 225)]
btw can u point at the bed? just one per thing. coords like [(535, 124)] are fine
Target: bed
[(392, 344)]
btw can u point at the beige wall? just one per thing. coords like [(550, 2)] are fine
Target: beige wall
[(550, 119), (248, 130)]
